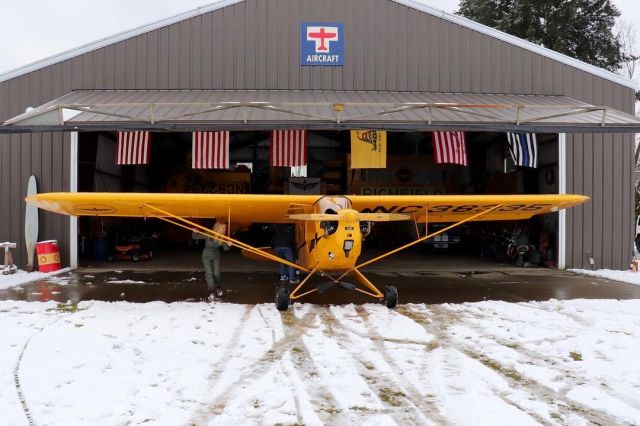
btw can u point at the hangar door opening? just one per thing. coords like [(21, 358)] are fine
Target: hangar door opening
[(411, 170)]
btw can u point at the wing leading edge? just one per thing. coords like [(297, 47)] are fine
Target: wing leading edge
[(249, 208)]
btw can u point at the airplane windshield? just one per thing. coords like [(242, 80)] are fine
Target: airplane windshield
[(332, 204)]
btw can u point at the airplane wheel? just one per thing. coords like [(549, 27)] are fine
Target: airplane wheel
[(135, 257), (390, 297), (282, 299)]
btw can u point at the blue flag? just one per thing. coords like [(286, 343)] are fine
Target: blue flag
[(523, 148)]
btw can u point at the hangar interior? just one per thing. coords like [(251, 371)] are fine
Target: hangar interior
[(411, 170)]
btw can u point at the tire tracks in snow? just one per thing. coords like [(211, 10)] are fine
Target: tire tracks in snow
[(260, 367), (382, 382), (438, 319)]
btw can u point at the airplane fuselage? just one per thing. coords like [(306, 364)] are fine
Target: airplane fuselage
[(330, 245)]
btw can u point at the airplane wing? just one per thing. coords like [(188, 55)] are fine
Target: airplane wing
[(249, 208), (454, 208)]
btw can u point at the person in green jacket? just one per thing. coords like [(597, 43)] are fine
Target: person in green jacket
[(211, 259)]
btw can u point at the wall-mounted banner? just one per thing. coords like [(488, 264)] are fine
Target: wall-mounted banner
[(321, 43), (368, 149)]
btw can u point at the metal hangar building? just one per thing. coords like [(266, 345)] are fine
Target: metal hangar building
[(244, 66)]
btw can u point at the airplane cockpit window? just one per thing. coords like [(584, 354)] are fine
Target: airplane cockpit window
[(334, 203)]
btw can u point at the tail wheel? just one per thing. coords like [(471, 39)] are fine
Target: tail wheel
[(390, 297), (282, 299), (135, 257)]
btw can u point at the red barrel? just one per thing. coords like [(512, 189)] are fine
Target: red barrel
[(48, 256)]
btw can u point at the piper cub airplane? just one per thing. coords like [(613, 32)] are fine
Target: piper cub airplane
[(329, 229)]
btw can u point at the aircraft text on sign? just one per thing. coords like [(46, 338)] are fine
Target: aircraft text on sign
[(321, 44)]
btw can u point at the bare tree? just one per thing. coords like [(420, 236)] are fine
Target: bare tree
[(628, 37)]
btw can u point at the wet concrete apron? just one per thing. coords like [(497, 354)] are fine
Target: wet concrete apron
[(258, 287)]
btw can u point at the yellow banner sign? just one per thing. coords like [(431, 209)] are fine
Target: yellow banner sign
[(368, 149)]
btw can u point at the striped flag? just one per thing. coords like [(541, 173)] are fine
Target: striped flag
[(133, 148), (210, 150), (288, 148), (450, 147), (523, 148)]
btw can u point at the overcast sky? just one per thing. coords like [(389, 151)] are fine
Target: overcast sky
[(35, 29)]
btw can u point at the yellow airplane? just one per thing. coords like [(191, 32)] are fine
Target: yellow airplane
[(329, 229)]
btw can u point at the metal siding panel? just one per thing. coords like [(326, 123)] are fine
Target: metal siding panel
[(496, 69), (369, 48), (337, 9), (485, 63), (381, 50), (454, 56), (517, 79), (98, 69), (110, 67), (152, 59), (76, 73), (207, 53), (402, 40), (228, 64), (88, 72), (131, 55), (476, 58), (184, 55), (140, 63), (120, 70), (284, 33), (527, 77), (251, 45), (506, 51), (163, 58), (174, 57), (262, 43), (587, 189), (557, 78), (240, 48), (391, 62), (432, 61), (547, 76), (195, 52), (443, 56), (466, 68), (14, 188), (597, 201), (536, 64)]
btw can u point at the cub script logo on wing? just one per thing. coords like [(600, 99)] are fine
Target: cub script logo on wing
[(321, 43)]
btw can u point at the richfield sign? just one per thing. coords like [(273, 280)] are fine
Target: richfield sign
[(321, 44)]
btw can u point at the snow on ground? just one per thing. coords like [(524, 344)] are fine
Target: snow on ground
[(555, 362), (623, 276), (21, 277)]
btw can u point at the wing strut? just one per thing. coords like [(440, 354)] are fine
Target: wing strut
[(192, 226), (419, 240)]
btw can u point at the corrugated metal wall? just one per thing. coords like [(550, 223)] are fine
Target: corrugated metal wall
[(255, 45)]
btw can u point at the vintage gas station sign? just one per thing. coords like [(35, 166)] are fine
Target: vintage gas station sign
[(321, 43)]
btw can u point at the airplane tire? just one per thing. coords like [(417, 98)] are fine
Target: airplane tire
[(390, 297), (282, 299)]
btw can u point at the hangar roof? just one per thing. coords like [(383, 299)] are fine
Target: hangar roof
[(328, 110), (414, 4)]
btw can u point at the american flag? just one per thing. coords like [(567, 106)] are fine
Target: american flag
[(210, 150), (450, 147), (523, 148), (288, 148), (133, 148)]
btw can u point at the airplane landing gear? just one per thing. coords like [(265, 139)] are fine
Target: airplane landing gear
[(390, 296), (282, 298)]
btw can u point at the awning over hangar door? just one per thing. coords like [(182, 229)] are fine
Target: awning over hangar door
[(318, 110)]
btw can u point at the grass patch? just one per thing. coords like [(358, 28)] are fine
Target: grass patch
[(357, 408), (330, 410), (576, 356), (555, 416), (64, 307), (390, 397)]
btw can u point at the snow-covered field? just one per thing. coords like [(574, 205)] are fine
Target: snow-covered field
[(556, 362)]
